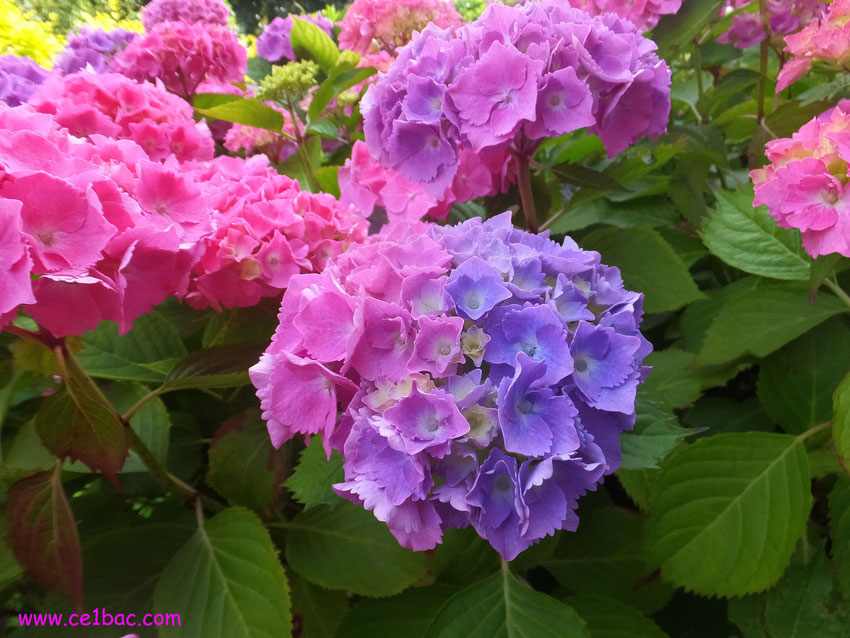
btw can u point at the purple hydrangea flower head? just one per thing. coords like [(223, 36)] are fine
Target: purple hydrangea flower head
[(483, 376), (19, 77), (510, 78), (91, 48), (273, 43), (209, 11)]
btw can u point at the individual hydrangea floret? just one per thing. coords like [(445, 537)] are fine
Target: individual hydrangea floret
[(512, 77), (209, 11), (804, 185), (266, 229), (19, 78), (109, 104), (96, 230), (183, 55), (825, 40), (483, 373), (373, 26), (274, 45), (644, 14), (366, 185), (93, 49)]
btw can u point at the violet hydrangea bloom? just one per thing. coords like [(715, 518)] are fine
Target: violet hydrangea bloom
[(644, 14), (91, 48), (19, 78), (509, 79), (804, 185), (483, 375), (273, 43)]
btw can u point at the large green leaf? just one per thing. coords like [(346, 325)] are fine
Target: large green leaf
[(464, 557), (144, 354), (319, 610), (310, 40), (226, 581), (728, 510), (502, 607), (677, 30), (608, 618), (718, 415), (247, 111), (841, 419), (796, 383), (244, 466), (648, 265), (674, 380), (10, 571), (346, 547), (615, 567), (314, 475), (78, 422), (698, 317), (151, 422), (839, 521), (763, 320), (748, 238), (216, 367), (43, 533), (407, 615)]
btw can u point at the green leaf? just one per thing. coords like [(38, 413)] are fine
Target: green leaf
[(648, 265), (340, 79), (309, 40), (293, 167), (463, 557), (407, 615), (841, 419), (323, 128), (748, 238), (78, 422), (10, 571), (144, 354), (608, 618), (796, 383), (639, 485), (328, 180), (501, 607), (216, 367), (763, 320), (314, 475), (258, 69), (615, 567), (656, 433), (822, 267), (346, 547), (247, 111), (244, 466), (698, 317), (319, 610), (644, 211), (680, 29), (718, 415), (727, 512), (674, 380), (584, 177), (800, 606), (226, 581), (839, 523), (43, 534)]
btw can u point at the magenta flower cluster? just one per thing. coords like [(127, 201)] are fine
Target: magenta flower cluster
[(484, 375), (804, 185), (114, 106), (783, 17), (91, 49), (19, 77), (183, 55), (208, 11), (512, 77), (274, 45), (644, 14)]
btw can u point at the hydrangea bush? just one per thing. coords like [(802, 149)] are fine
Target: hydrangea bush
[(518, 318)]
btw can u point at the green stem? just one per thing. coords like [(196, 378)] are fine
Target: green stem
[(700, 88), (837, 290), (814, 430), (129, 414), (523, 173), (301, 150), (763, 60)]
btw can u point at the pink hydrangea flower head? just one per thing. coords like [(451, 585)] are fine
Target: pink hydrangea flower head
[(644, 14), (370, 26), (432, 437), (183, 55), (265, 230), (209, 11), (115, 106), (804, 185), (96, 230), (507, 80)]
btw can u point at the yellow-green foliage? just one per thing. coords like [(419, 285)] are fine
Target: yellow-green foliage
[(22, 34)]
